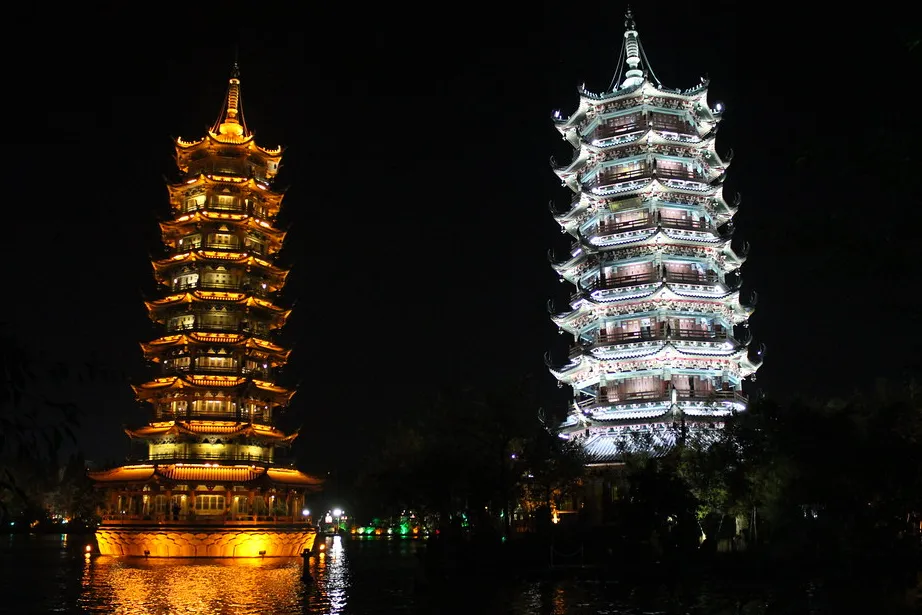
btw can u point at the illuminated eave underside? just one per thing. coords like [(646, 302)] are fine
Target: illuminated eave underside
[(182, 223), (240, 258), (159, 386), (587, 313), (219, 140), (698, 144), (661, 291), (204, 473), (650, 237), (590, 200), (207, 339), (210, 296), (263, 189), (589, 100), (662, 355), (222, 428)]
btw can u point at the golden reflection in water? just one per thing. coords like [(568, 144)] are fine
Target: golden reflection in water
[(559, 601), (331, 575), (161, 585)]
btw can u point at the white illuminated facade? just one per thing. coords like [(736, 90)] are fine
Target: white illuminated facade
[(660, 336)]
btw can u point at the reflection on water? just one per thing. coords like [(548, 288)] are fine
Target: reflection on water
[(43, 574), (331, 580), (155, 586)]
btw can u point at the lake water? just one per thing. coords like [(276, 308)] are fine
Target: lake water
[(50, 574)]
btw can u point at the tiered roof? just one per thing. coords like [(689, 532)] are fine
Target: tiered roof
[(647, 187)]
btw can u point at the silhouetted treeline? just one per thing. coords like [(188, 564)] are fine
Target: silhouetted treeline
[(831, 486), (829, 483), (481, 452)]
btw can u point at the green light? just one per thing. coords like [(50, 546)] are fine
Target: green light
[(404, 529)]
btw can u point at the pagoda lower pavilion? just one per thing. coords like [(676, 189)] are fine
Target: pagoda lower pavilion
[(660, 337), (210, 484)]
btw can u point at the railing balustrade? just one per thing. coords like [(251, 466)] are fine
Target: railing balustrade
[(689, 224), (199, 519), (682, 277), (610, 228), (614, 396), (229, 456)]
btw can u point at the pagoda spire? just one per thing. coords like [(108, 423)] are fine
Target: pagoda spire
[(633, 55), (230, 122)]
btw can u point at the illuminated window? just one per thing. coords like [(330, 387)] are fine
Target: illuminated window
[(194, 203), (206, 503), (225, 202)]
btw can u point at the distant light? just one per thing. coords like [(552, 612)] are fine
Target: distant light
[(337, 512), (328, 519), (88, 548), (719, 107), (305, 512)]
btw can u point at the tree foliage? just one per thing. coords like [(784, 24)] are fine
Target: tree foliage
[(471, 450), (33, 423)]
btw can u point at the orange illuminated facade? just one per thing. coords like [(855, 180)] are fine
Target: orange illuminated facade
[(211, 447)]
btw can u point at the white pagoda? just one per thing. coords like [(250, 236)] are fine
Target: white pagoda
[(660, 335)]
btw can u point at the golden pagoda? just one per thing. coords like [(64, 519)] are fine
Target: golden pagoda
[(211, 485)]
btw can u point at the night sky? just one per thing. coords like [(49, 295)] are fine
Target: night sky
[(417, 183)]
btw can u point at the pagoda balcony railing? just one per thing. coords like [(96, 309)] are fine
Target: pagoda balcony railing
[(215, 245), (603, 180), (611, 228), (616, 282), (223, 328), (680, 128), (689, 224), (648, 221), (227, 518), (194, 369), (606, 179), (263, 417), (702, 279), (182, 456), (218, 206), (697, 395), (654, 334), (690, 176), (607, 132), (259, 212), (257, 291)]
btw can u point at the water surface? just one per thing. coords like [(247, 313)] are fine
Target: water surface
[(49, 574)]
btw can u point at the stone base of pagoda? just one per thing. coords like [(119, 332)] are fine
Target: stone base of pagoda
[(192, 541)]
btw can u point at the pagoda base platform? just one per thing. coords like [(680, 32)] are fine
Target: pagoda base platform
[(197, 541)]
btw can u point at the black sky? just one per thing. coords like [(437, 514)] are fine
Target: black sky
[(417, 171)]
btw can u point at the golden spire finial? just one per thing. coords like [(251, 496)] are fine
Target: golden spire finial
[(230, 122)]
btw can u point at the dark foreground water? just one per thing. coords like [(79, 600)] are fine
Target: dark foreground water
[(49, 574)]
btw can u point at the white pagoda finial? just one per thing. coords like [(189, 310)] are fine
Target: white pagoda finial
[(633, 75)]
